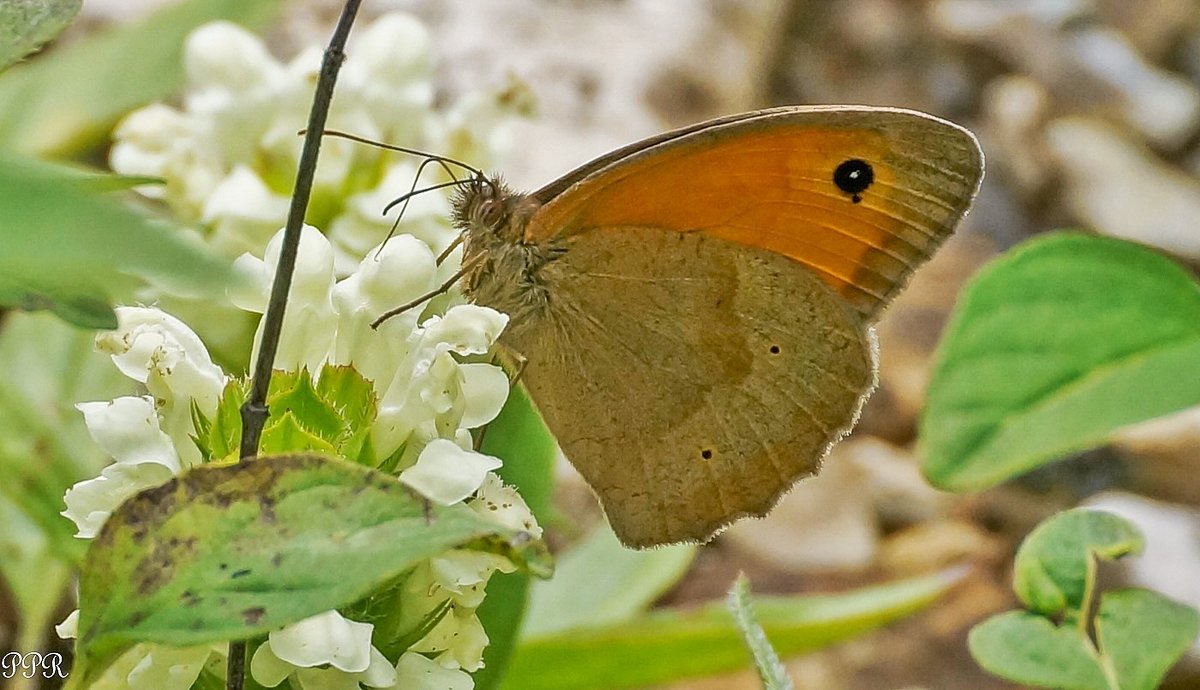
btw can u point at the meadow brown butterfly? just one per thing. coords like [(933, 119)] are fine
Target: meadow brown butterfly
[(695, 308)]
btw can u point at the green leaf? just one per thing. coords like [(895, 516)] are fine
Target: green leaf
[(70, 251), (766, 661), (230, 552), (1143, 634), (519, 438), (576, 598), (69, 100), (26, 24), (1055, 568), (32, 574), (1140, 634), (45, 368), (1028, 649), (1051, 349), (667, 645)]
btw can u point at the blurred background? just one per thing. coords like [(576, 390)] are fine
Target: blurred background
[(1088, 113)]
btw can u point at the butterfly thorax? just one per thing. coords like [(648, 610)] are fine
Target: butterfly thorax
[(503, 271)]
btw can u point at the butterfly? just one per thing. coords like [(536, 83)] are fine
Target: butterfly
[(695, 309)]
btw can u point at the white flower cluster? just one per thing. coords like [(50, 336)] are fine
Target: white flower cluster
[(228, 155), (428, 401)]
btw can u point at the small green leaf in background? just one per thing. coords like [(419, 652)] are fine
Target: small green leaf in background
[(230, 552), (1139, 634), (67, 101), (70, 252), (26, 24), (770, 669), (1051, 349), (666, 646), (1055, 567), (576, 598)]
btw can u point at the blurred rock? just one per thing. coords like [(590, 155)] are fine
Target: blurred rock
[(899, 491), (1171, 559), (983, 18), (1153, 26), (1162, 106), (1015, 110), (1120, 189), (825, 522), (936, 545), (1162, 456)]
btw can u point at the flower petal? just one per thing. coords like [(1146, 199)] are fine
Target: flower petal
[(90, 502), (326, 638), (268, 669), (501, 503), (418, 672), (467, 329), (484, 391), (127, 430), (446, 474)]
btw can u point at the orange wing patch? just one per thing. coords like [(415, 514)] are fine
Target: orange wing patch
[(770, 182)]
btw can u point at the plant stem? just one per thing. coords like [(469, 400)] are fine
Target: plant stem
[(254, 410)]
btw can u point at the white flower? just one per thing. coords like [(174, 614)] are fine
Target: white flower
[(341, 647), (230, 154), (458, 640), (309, 322), (425, 399), (501, 503), (446, 474), (69, 628), (417, 672), (155, 667), (243, 211), (160, 351), (91, 501), (127, 430)]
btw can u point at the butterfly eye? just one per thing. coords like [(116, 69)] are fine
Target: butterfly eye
[(489, 212)]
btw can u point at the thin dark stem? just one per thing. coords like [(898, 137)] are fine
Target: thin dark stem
[(254, 410)]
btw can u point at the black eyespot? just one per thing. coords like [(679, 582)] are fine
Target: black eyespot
[(853, 177), (774, 349), (706, 454)]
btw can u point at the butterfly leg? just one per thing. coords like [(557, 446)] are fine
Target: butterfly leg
[(450, 248)]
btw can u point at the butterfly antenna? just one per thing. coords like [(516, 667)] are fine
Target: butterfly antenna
[(444, 160), (405, 199)]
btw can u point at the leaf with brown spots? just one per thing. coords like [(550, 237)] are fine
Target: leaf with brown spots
[(235, 551)]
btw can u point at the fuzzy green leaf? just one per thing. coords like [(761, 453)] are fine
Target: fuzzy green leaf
[(766, 661)]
